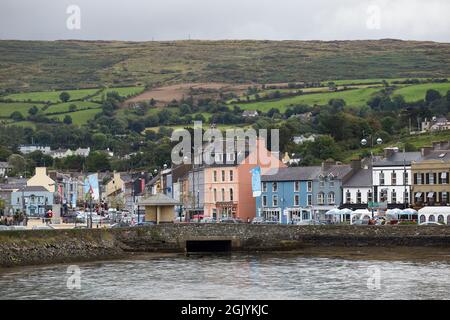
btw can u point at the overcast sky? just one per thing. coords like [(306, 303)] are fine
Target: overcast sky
[(139, 20)]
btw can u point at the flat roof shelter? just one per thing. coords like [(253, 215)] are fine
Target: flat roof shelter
[(159, 208)]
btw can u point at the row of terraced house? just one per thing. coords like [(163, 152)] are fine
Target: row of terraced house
[(397, 179)]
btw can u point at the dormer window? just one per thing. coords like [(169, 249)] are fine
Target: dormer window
[(331, 178)]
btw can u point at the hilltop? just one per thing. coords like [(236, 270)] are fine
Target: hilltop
[(50, 65)]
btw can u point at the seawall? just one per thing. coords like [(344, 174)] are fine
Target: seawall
[(18, 248)]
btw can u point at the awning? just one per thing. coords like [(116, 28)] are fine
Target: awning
[(430, 194), (418, 194)]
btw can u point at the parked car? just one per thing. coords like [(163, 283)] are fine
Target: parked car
[(257, 220), (230, 220), (208, 220)]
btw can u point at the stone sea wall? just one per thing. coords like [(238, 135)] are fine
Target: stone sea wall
[(57, 246)]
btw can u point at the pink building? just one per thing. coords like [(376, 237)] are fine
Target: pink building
[(228, 185)]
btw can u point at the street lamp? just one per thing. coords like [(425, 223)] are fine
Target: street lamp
[(364, 143)]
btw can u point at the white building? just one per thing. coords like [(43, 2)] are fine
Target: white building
[(357, 191), (5, 168), (391, 177), (29, 148), (436, 124)]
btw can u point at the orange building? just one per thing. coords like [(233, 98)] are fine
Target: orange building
[(228, 182)]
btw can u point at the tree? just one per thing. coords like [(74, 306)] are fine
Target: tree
[(67, 119), (17, 162), (97, 161), (64, 96), (432, 95), (99, 140), (16, 116), (33, 110), (72, 108)]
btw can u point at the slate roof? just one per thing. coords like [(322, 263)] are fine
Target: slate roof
[(361, 178), (292, 174), (33, 189), (338, 171), (398, 158), (158, 199), (443, 155)]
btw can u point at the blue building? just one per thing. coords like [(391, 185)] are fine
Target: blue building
[(287, 195), (36, 200)]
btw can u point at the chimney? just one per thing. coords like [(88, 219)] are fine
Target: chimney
[(41, 171), (355, 164), (389, 152), (426, 151)]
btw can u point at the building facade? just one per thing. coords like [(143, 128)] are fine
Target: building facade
[(287, 196), (391, 178), (34, 200)]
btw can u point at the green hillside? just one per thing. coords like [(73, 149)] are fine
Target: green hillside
[(41, 65)]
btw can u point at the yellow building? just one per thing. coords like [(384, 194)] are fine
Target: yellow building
[(159, 208), (431, 179), (42, 179)]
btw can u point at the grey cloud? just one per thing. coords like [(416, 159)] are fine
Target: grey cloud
[(225, 19)]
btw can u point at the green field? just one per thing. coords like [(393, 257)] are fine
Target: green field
[(6, 108), (355, 97), (417, 92), (64, 107), (79, 117), (51, 96), (122, 91)]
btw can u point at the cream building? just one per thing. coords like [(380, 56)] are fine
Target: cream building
[(41, 178)]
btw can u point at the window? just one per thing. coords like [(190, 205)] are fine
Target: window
[(231, 175), (275, 186), (331, 198), (231, 194), (331, 181), (309, 200), (394, 196), (348, 197), (444, 198), (264, 186), (309, 186), (296, 200), (358, 197), (320, 197), (297, 186), (444, 177), (384, 195), (223, 195), (405, 178), (369, 196), (215, 195), (264, 201), (223, 175), (406, 200), (321, 181), (215, 176), (431, 179), (381, 178), (394, 178), (274, 200), (419, 178)]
